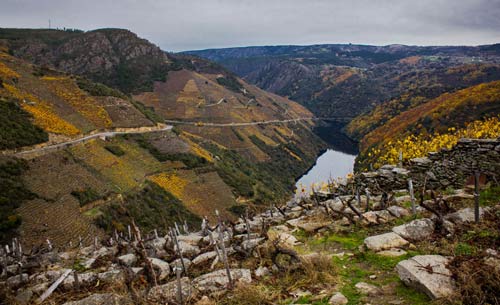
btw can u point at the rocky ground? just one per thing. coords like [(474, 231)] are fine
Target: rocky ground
[(323, 250)]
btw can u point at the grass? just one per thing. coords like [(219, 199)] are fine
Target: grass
[(115, 150), (490, 196), (350, 241)]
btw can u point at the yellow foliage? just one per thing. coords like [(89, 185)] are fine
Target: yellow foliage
[(418, 146), (43, 113), (66, 89), (7, 73), (170, 182)]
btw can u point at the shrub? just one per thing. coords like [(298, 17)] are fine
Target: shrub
[(115, 150), (86, 196)]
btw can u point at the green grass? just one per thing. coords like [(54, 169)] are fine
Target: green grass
[(490, 196), (350, 241), (411, 295)]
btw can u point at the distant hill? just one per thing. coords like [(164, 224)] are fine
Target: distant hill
[(347, 79)]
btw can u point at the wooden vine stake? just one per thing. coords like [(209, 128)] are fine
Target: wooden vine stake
[(412, 197), (178, 272), (224, 253), (476, 197)]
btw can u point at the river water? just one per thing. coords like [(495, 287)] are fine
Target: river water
[(331, 164), (335, 162)]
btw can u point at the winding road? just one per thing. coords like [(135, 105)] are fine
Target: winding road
[(89, 137), (167, 127)]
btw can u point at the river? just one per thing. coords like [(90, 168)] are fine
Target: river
[(335, 162)]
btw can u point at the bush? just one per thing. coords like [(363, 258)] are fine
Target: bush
[(86, 196), (115, 150), (12, 193), (16, 127)]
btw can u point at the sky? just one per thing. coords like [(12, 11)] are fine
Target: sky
[(179, 25)]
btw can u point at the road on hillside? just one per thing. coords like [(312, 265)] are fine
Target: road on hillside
[(89, 137), (201, 124)]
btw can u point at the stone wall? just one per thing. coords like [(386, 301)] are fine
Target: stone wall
[(448, 167)]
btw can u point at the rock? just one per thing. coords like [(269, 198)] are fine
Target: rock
[(262, 272), (84, 279), (17, 280), (111, 276), (416, 230), (188, 250), (335, 204), (463, 215), (338, 299), (162, 266), (398, 211), (177, 263), (252, 243), (158, 243), (392, 252), (370, 217), (400, 171), (205, 301), (368, 289), (420, 161), (102, 299), (24, 296), (288, 239), (384, 241), (193, 239), (217, 280), (204, 257), (428, 274), (164, 294), (12, 269), (127, 259), (104, 251)]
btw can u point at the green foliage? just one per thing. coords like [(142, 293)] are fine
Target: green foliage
[(148, 112), (12, 193), (98, 89), (115, 150), (238, 210), (190, 161), (16, 128), (151, 208), (237, 134), (465, 249), (86, 196), (230, 82)]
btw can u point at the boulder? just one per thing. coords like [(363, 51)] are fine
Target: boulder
[(463, 215), (193, 239), (398, 211), (102, 299), (17, 280), (127, 259), (178, 264), (252, 243), (162, 266), (262, 272), (111, 276), (428, 274), (188, 250), (204, 257), (307, 225), (84, 279), (338, 299), (158, 243), (416, 230), (217, 280), (24, 296), (288, 239), (385, 241), (368, 289), (164, 294)]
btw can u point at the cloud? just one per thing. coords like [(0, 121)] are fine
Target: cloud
[(195, 24)]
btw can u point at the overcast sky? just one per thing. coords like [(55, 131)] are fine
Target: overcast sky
[(177, 25)]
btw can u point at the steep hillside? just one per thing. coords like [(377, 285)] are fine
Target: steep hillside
[(115, 57), (471, 112), (348, 80), (152, 175)]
